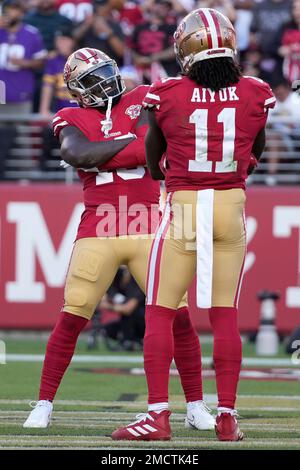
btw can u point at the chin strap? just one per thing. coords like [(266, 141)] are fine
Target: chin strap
[(107, 122)]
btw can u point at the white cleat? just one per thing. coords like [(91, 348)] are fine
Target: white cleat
[(199, 417), (40, 416)]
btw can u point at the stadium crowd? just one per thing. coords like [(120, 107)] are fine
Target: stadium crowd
[(36, 37)]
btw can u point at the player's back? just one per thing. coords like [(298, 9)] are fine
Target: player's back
[(209, 134)]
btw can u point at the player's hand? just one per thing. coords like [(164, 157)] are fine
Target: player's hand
[(252, 165), (47, 115), (142, 61), (88, 21), (101, 26), (22, 63), (106, 305)]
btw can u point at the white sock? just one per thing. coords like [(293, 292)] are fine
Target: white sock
[(158, 407), (226, 410), (191, 405)]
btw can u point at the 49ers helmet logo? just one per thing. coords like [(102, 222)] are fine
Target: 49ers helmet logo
[(133, 111), (180, 30), (67, 72)]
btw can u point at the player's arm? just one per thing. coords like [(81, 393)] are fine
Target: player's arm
[(127, 308), (79, 152), (134, 154), (259, 144), (257, 150), (156, 146)]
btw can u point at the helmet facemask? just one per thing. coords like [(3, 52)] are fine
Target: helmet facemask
[(98, 84)]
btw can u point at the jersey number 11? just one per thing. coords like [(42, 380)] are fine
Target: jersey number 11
[(201, 163)]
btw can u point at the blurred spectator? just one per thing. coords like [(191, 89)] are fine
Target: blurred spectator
[(284, 136), (183, 7), (47, 20), (152, 43), (101, 31), (268, 18), (224, 6), (21, 52), (54, 94), (290, 45), (125, 298), (128, 15), (250, 61), (75, 10), (179, 8), (244, 16), (131, 76)]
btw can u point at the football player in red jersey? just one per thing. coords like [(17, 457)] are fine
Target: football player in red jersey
[(104, 140), (210, 123)]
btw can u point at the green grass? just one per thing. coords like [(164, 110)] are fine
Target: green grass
[(24, 346), (269, 421)]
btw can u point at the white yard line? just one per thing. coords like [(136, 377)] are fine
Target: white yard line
[(129, 359), (211, 398), (176, 426)]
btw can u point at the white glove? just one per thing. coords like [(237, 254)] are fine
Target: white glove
[(64, 164)]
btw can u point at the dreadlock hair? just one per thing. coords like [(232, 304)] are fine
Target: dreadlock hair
[(215, 73)]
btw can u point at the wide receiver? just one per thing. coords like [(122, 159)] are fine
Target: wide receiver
[(102, 139), (210, 122)]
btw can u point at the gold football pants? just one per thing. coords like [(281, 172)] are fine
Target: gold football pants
[(94, 264), (203, 233)]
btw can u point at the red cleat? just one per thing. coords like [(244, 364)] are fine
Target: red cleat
[(149, 426), (227, 428)]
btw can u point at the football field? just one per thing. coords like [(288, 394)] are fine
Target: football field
[(103, 390)]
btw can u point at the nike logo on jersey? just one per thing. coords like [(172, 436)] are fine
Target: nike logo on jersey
[(112, 134), (205, 95)]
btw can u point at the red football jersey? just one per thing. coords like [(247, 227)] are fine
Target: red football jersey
[(209, 134), (117, 201)]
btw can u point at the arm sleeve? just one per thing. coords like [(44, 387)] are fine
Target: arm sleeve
[(133, 154), (152, 98), (130, 156), (260, 100), (268, 99), (59, 122)]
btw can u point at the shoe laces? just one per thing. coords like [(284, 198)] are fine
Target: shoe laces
[(202, 405), (205, 407), (142, 417), (231, 412)]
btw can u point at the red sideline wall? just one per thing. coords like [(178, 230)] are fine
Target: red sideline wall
[(38, 224)]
